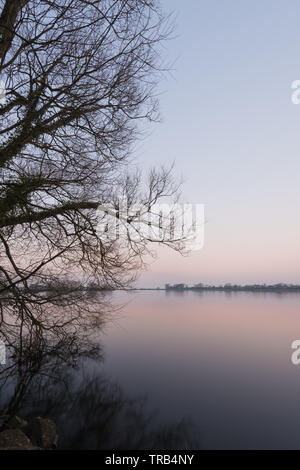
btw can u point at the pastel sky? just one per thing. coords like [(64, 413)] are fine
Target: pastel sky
[(234, 134)]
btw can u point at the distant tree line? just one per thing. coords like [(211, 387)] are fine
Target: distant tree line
[(235, 287)]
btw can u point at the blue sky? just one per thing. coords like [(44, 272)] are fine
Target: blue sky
[(230, 126)]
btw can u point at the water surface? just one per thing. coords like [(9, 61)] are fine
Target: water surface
[(208, 370), (219, 360)]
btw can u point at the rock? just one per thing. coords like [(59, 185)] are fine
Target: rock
[(14, 439), (41, 432)]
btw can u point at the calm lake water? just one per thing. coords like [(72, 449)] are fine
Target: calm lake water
[(179, 370)]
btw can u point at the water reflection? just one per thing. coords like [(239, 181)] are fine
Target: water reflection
[(60, 378)]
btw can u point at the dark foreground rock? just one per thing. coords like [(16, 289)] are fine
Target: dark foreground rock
[(41, 432), (38, 434), (15, 439)]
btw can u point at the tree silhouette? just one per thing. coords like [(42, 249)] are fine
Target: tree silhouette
[(79, 77)]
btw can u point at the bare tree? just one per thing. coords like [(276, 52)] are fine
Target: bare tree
[(79, 76)]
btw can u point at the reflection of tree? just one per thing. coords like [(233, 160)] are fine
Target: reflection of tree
[(39, 352), (47, 378), (60, 319), (97, 415)]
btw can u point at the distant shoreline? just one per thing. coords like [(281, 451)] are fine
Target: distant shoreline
[(226, 288)]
